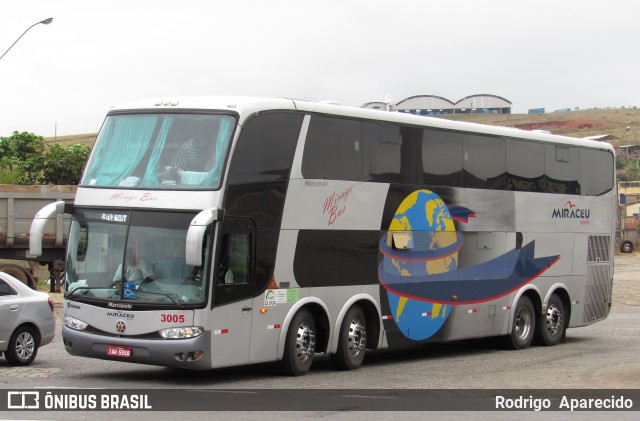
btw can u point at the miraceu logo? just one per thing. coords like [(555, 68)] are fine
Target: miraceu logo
[(570, 211)]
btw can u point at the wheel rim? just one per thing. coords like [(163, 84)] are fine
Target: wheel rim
[(553, 319), (357, 337), (25, 345), (305, 342), (523, 323)]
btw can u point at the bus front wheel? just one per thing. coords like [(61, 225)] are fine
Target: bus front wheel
[(524, 323), (300, 344), (352, 341)]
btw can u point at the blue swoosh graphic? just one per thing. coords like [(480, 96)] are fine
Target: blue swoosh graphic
[(460, 213), (475, 284)]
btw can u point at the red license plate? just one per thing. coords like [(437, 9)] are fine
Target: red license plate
[(118, 351)]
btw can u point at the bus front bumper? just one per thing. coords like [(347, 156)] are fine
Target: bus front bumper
[(193, 353)]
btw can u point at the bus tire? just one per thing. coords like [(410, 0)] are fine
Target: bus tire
[(552, 326), (524, 323), (300, 344), (23, 346), (626, 246), (352, 341)]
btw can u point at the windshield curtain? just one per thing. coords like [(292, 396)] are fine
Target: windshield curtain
[(134, 256), (160, 151)]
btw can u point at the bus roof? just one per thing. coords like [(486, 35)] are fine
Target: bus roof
[(246, 105)]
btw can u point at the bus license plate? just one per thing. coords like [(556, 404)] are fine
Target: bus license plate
[(118, 351)]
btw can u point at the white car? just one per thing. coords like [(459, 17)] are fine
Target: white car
[(26, 320)]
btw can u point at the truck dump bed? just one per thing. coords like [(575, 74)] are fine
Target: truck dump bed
[(18, 206)]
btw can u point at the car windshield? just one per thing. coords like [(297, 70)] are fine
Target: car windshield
[(135, 256), (160, 151)]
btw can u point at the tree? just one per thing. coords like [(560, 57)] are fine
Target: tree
[(632, 169), (64, 165), (6, 163), (621, 160), (22, 156), (24, 159)]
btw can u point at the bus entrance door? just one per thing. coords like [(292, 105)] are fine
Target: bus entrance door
[(233, 292)]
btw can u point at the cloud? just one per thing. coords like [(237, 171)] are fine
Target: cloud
[(64, 77)]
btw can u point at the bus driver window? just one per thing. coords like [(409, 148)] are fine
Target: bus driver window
[(234, 259)]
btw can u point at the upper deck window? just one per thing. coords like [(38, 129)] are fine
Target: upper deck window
[(160, 151)]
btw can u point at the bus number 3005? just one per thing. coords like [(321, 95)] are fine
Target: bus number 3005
[(172, 318)]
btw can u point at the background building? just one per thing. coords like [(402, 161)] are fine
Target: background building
[(434, 105), (426, 105)]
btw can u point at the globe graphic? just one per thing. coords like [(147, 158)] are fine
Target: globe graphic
[(421, 241)]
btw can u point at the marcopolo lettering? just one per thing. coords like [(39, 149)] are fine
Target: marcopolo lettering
[(120, 305)]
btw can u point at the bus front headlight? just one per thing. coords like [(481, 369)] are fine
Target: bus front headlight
[(181, 332), (74, 323)]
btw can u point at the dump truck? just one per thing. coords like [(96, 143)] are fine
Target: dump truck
[(18, 207)]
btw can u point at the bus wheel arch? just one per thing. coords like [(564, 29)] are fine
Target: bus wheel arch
[(372, 317)]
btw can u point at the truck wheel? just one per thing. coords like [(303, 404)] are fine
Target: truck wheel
[(352, 341), (626, 246), (300, 344), (524, 324), (20, 273), (552, 324)]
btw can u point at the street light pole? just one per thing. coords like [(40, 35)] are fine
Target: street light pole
[(622, 140), (44, 22)]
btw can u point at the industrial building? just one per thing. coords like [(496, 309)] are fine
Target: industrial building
[(434, 105)]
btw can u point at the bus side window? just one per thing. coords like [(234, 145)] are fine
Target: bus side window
[(332, 150), (223, 266), (234, 259), (562, 169)]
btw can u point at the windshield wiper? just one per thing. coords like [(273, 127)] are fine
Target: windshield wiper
[(72, 293), (169, 296)]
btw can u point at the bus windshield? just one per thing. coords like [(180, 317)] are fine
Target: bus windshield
[(160, 151), (134, 256)]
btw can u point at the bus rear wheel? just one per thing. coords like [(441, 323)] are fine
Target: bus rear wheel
[(524, 323), (300, 344), (352, 341), (552, 324)]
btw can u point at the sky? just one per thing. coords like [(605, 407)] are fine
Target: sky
[(61, 79)]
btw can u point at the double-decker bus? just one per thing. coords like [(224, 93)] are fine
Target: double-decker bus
[(210, 232)]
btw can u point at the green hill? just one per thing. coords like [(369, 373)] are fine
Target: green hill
[(580, 123)]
